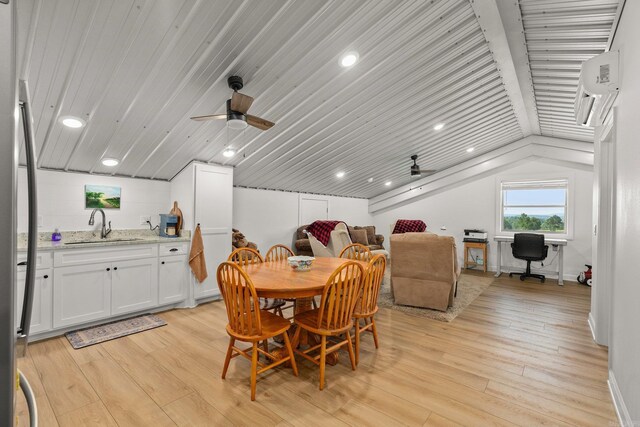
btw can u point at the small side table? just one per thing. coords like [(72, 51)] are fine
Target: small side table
[(475, 245)]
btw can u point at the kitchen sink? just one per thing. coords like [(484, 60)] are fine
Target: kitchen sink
[(84, 242)]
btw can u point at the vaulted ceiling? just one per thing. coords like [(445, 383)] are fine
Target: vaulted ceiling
[(136, 70)]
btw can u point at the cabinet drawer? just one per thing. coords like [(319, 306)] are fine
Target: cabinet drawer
[(69, 257), (43, 260), (178, 248)]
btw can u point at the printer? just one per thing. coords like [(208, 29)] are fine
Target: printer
[(472, 235)]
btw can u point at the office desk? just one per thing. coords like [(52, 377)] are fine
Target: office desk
[(559, 243)]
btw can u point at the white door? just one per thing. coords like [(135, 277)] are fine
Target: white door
[(172, 280), (213, 211), (81, 293), (42, 300), (313, 209), (134, 285)]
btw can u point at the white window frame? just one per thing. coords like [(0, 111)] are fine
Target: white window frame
[(532, 179)]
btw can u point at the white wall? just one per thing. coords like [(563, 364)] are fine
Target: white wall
[(473, 205), (624, 340), (269, 217), (61, 201)]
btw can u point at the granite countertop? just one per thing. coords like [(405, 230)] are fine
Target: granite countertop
[(91, 239)]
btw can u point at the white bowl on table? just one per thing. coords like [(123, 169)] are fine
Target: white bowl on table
[(300, 262)]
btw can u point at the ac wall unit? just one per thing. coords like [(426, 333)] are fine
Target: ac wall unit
[(597, 89)]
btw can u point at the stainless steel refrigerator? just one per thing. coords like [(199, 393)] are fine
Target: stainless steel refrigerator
[(14, 115)]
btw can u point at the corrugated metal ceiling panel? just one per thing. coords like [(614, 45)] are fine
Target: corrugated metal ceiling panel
[(136, 70), (561, 35)]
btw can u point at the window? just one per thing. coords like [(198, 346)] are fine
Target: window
[(537, 206)]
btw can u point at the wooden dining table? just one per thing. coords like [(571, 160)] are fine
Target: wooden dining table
[(276, 279)]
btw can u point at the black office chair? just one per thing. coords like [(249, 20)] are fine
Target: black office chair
[(529, 247)]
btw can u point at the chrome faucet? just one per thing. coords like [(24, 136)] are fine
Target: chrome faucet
[(104, 232)]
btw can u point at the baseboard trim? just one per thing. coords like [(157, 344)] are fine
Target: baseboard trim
[(592, 323), (567, 277), (618, 402)]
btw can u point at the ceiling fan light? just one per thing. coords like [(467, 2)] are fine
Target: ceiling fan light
[(236, 123)]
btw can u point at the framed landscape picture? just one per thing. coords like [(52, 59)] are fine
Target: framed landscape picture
[(101, 197)]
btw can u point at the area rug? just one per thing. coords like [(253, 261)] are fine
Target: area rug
[(110, 331), (469, 288)]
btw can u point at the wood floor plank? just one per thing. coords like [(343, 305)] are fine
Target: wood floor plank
[(126, 401), (63, 381), (93, 414), (160, 384), (193, 411), (520, 354)]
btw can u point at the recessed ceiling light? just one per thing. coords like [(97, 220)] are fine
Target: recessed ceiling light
[(108, 161), (349, 59), (72, 122), (229, 152), (340, 174), (370, 180), (438, 126), (470, 149), (388, 183)]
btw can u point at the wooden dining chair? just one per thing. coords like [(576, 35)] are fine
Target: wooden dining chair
[(356, 251), (247, 323), (248, 256), (334, 317), (367, 305), (278, 253)]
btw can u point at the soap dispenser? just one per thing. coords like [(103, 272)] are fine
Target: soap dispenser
[(56, 236)]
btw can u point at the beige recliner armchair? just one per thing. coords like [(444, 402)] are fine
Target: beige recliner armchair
[(424, 271), (338, 241)]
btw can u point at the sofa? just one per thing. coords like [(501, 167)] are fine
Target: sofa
[(425, 270), (303, 245)]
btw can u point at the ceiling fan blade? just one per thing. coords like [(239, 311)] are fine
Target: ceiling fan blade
[(209, 117), (240, 102), (427, 171), (259, 123)]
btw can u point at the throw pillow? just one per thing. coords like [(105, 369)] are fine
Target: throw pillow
[(360, 236), (371, 233)]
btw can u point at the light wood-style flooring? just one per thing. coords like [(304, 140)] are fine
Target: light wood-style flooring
[(520, 354)]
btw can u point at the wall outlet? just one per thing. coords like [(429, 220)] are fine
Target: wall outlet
[(144, 219)]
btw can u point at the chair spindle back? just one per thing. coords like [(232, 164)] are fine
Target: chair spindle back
[(371, 284), (278, 253), (357, 252), (340, 296), (240, 299), (245, 256)]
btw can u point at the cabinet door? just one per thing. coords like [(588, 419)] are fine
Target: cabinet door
[(41, 320), (173, 279), (134, 285), (213, 209), (81, 293)]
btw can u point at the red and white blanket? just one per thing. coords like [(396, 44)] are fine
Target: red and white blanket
[(409, 226), (321, 230)]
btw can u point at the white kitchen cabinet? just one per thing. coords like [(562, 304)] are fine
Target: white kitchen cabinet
[(134, 285), (81, 294), (173, 279), (206, 192), (41, 313)]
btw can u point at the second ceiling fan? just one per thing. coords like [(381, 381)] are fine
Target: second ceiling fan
[(237, 107), (416, 171)]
